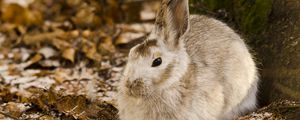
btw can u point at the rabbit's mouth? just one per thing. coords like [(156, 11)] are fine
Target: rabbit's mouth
[(137, 88)]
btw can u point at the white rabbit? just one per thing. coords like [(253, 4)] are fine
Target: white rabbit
[(189, 68)]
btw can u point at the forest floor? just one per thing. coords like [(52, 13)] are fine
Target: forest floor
[(63, 60)]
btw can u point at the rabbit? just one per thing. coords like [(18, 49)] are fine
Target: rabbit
[(190, 67)]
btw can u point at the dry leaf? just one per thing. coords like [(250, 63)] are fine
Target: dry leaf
[(69, 54), (86, 33), (125, 38), (15, 109), (42, 37), (69, 27), (106, 46), (23, 3), (46, 117), (74, 33), (2, 117), (73, 105), (60, 44), (86, 18), (58, 77), (36, 58), (90, 51), (80, 107), (74, 2), (16, 14), (17, 56)]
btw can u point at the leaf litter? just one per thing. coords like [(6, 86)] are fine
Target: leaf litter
[(62, 59)]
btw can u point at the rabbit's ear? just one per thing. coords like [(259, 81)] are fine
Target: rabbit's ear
[(173, 20)]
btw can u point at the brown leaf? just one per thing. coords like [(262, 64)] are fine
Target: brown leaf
[(126, 38), (86, 17), (36, 58), (46, 117), (42, 37), (69, 54), (58, 77), (17, 56), (74, 2), (2, 117), (60, 44), (73, 105), (80, 107), (13, 109), (106, 46), (16, 14), (90, 51), (43, 99), (74, 33), (86, 33)]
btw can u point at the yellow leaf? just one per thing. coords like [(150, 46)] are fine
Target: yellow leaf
[(46, 117), (86, 33), (69, 54), (42, 37), (58, 77), (106, 46), (36, 58), (60, 44), (14, 13), (90, 51)]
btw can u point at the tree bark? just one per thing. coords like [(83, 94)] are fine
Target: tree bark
[(272, 29), (280, 52)]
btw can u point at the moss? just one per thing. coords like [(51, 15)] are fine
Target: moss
[(250, 16), (254, 15)]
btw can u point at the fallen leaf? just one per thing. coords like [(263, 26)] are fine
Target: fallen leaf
[(72, 105), (125, 38), (46, 117), (16, 14), (86, 33), (86, 17), (2, 117), (58, 77), (74, 33), (42, 37), (106, 46), (69, 54), (74, 2), (23, 3), (36, 58), (15, 109), (60, 44), (90, 51)]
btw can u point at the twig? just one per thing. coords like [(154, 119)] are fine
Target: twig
[(8, 115)]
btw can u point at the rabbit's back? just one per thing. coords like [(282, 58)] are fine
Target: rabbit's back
[(222, 57)]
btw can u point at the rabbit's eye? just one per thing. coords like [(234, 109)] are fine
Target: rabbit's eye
[(156, 62)]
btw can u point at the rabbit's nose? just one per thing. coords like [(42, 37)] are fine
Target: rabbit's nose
[(134, 83), (135, 87)]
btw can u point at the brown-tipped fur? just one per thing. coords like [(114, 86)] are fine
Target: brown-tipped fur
[(172, 20), (144, 48), (207, 72)]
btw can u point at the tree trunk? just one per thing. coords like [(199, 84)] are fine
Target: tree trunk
[(272, 29)]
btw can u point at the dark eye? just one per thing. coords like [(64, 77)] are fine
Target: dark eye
[(156, 62)]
